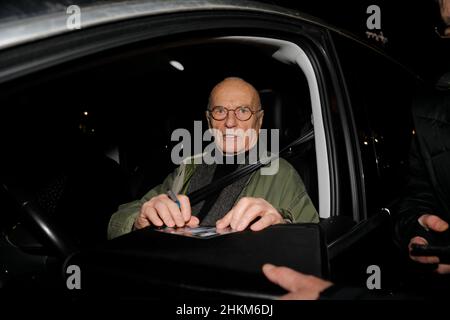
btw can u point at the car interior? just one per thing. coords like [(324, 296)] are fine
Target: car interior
[(91, 134), (87, 118)]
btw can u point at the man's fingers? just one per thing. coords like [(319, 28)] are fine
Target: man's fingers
[(248, 209), (425, 259), (142, 221), (193, 222), (164, 213), (185, 207), (443, 269), (144, 218), (161, 210), (245, 212), (175, 212), (286, 278), (430, 221), (225, 221), (299, 285), (153, 217), (264, 222), (248, 216), (421, 259), (300, 295), (417, 240), (238, 211)]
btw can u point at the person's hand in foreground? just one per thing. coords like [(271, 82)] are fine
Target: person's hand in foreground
[(430, 222), (299, 286)]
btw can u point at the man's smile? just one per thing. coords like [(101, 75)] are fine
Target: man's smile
[(230, 136)]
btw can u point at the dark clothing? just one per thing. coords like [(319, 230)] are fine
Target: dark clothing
[(218, 204), (281, 186), (428, 189)]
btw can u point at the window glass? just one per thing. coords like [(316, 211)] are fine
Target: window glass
[(381, 95), (92, 134)]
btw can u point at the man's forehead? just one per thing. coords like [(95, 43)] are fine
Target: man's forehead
[(232, 97), (233, 93)]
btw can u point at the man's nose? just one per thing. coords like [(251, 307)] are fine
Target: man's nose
[(230, 120)]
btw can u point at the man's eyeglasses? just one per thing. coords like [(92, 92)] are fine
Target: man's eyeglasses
[(242, 113)]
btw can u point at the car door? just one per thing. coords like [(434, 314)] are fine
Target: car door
[(378, 93), (340, 168)]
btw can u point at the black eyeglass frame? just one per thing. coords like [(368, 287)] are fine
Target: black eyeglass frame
[(210, 112)]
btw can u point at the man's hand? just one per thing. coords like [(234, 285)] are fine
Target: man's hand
[(445, 11), (430, 222), (161, 210), (248, 209), (299, 285)]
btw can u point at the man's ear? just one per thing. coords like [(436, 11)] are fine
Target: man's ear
[(208, 119), (260, 119)]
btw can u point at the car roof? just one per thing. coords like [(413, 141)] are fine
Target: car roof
[(25, 21)]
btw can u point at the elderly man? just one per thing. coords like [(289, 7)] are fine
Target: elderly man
[(234, 106)]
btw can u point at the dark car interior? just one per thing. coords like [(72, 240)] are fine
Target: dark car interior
[(84, 137), (86, 124)]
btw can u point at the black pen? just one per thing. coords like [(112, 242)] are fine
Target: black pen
[(173, 197)]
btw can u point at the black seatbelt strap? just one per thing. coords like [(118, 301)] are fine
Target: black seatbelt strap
[(215, 186)]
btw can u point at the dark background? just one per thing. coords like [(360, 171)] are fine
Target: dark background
[(409, 27)]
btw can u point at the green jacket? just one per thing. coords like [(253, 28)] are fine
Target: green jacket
[(284, 190)]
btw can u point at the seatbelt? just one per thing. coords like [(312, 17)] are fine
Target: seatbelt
[(204, 192)]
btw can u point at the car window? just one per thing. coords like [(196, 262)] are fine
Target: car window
[(94, 133), (381, 95)]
